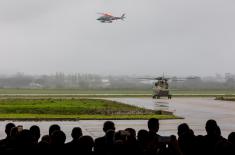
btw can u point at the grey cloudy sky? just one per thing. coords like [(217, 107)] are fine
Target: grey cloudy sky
[(177, 37)]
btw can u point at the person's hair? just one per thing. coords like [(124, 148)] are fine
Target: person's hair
[(153, 124), (183, 128), (8, 128), (211, 126), (131, 131), (142, 135), (58, 137), (14, 132), (231, 138), (121, 135), (35, 130), (45, 138), (108, 125), (53, 128), (76, 132)]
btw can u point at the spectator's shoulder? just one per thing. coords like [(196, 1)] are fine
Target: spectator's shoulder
[(3, 141), (100, 139)]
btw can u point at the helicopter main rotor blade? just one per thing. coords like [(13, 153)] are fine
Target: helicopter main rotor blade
[(156, 79), (172, 79), (147, 78)]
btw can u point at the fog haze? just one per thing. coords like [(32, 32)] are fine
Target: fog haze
[(177, 37)]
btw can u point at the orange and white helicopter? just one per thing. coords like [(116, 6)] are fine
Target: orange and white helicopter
[(108, 18)]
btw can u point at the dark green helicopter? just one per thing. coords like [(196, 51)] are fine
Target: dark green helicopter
[(161, 86)]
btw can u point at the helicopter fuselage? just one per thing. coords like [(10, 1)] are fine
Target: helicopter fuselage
[(160, 89)]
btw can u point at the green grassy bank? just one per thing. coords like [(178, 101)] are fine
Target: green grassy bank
[(225, 98), (72, 109), (109, 93)]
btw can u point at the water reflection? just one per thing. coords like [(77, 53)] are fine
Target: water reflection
[(161, 105), (153, 104)]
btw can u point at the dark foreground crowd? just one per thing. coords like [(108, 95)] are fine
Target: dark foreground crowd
[(145, 142)]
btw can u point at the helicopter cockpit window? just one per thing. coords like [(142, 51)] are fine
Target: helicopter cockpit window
[(166, 85), (156, 83)]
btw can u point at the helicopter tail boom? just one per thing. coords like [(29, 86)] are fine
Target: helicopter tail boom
[(122, 17)]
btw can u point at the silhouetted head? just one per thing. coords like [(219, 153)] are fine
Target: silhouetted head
[(35, 130), (121, 135), (143, 135), (25, 137), (76, 132), (86, 143), (58, 137), (45, 139), (53, 128), (217, 131), (14, 132), (183, 128), (211, 127), (8, 128), (131, 131), (108, 125), (231, 138), (153, 125), (110, 136)]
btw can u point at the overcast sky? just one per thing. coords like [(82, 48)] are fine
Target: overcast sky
[(177, 37)]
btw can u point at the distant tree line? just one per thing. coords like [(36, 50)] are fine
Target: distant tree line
[(70, 81), (200, 84), (91, 81)]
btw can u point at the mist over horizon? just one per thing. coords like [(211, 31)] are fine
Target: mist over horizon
[(216, 75), (97, 82)]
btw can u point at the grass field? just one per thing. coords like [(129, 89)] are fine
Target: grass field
[(70, 109), (109, 93), (225, 98), (71, 91)]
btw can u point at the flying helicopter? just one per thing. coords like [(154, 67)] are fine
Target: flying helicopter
[(161, 85), (108, 18)]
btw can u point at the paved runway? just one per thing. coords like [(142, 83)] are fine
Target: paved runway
[(196, 112)]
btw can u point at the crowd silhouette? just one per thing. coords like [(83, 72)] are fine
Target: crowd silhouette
[(121, 142)]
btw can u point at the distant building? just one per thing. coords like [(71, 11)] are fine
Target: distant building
[(35, 85)]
